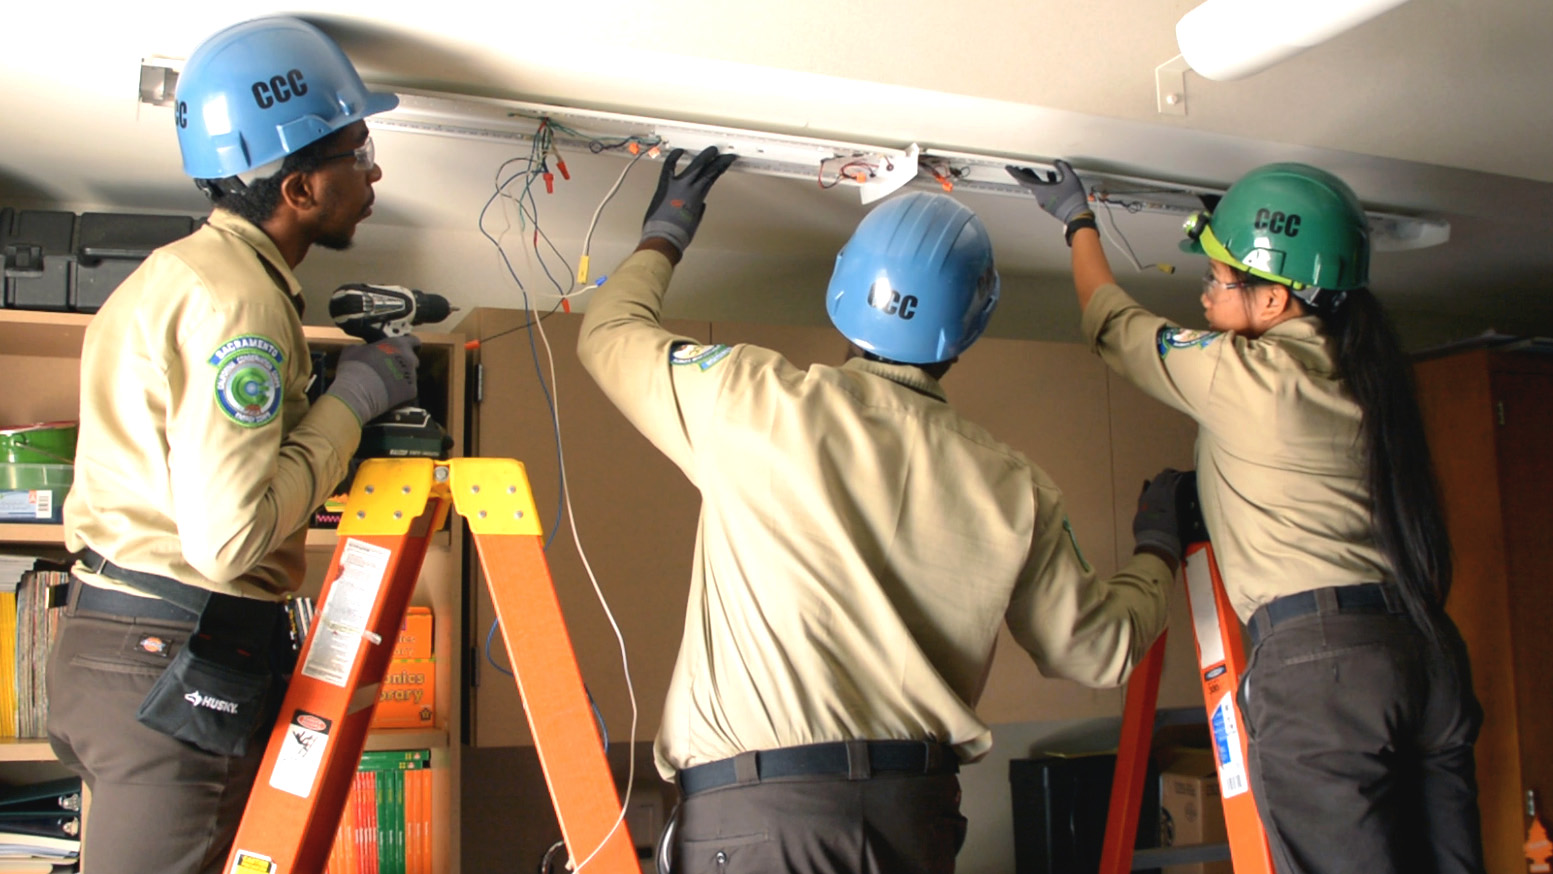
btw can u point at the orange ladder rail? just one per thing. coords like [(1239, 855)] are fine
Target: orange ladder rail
[(395, 506), (1221, 659)]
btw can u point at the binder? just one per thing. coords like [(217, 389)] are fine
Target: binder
[(67, 825), (49, 796)]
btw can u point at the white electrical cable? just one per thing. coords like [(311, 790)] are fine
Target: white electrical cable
[(1113, 234), (587, 240), (555, 400)]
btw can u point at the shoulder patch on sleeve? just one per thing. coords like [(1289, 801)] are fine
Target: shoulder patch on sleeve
[(248, 381), (701, 356), (1184, 338)]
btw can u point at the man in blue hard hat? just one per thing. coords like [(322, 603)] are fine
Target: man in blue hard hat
[(200, 459), (859, 546)]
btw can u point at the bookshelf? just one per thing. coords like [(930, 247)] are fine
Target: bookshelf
[(41, 350)]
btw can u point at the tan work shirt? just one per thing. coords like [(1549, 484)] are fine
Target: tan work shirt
[(199, 458), (1280, 467), (859, 545)]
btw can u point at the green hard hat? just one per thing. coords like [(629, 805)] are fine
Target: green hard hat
[(1293, 224)]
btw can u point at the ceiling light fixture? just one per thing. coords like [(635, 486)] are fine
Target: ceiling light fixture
[(1231, 39), (873, 169)]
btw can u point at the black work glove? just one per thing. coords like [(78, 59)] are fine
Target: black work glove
[(680, 201), (1060, 194), (1158, 523)]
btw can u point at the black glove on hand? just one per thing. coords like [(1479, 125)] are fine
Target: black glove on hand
[(1157, 523), (680, 201), (1060, 194), (376, 377)]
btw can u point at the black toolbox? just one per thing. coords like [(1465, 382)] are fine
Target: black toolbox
[(109, 246), (38, 247)]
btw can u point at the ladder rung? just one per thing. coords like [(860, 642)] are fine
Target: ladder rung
[(1187, 854)]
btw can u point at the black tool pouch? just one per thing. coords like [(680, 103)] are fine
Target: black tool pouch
[(215, 692)]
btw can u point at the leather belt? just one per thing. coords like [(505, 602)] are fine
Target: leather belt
[(1361, 598), (855, 760)]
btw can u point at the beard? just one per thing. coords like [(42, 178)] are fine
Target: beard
[(339, 241)]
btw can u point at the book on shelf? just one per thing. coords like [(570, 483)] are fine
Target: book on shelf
[(38, 593), (386, 825)]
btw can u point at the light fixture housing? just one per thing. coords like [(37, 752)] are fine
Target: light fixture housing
[(1231, 39), (890, 167)]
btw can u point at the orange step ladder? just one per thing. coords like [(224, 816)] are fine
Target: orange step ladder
[(1221, 661), (395, 506)]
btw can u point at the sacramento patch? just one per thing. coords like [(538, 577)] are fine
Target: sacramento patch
[(701, 356), (248, 384), (1184, 338)]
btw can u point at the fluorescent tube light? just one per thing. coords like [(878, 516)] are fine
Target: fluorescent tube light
[(1232, 39)]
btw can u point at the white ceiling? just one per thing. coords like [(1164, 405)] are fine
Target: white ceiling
[(1438, 108)]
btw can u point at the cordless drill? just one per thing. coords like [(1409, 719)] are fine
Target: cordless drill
[(373, 313)]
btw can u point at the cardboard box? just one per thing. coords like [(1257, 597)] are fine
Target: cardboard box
[(408, 696), (1190, 809)]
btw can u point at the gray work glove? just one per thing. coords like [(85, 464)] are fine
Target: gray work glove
[(1157, 523), (376, 377), (1061, 193), (680, 201)]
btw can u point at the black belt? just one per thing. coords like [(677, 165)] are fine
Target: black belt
[(191, 598), (98, 600), (1361, 598), (856, 760)]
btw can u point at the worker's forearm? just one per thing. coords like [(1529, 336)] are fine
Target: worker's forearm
[(1090, 267), (662, 247)]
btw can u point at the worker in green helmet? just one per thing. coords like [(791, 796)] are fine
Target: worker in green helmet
[(1319, 497)]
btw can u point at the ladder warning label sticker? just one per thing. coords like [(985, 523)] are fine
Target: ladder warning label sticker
[(252, 863), (1205, 610), (1226, 745), (342, 620), (301, 755)]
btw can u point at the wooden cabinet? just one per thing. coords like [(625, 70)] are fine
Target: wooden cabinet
[(1489, 416), (39, 354)]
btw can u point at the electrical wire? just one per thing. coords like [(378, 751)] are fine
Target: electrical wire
[(536, 167), (625, 662), (1113, 232), (587, 240)]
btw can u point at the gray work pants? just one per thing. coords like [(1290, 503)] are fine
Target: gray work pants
[(158, 804), (888, 824), (1361, 745)]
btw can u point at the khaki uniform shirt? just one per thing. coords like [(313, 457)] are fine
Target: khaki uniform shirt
[(1280, 467), (199, 458), (859, 545)]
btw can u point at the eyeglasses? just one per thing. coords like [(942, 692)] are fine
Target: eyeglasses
[(365, 155), (1209, 281)]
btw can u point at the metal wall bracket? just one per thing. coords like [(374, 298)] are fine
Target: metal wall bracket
[(1170, 85)]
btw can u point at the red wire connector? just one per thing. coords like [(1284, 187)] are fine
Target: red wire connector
[(544, 170), (560, 163)]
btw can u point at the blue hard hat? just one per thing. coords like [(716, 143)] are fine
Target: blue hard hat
[(916, 282), (257, 91)]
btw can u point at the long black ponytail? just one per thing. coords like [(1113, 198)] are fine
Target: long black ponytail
[(1405, 508)]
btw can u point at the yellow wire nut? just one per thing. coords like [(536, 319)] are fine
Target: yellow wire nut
[(582, 270), (494, 495), (387, 495)]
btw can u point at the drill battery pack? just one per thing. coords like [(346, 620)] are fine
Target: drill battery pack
[(405, 432)]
